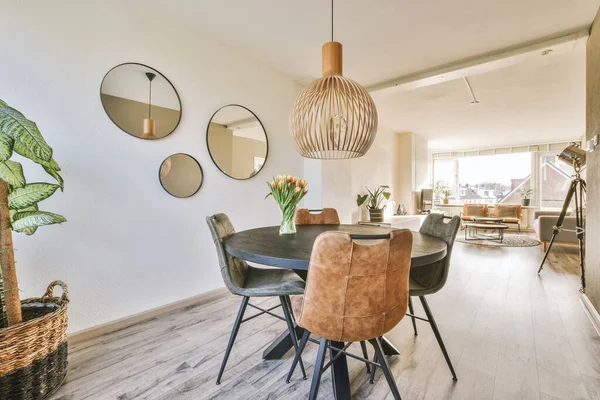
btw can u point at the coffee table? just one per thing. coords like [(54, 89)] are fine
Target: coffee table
[(488, 220), (472, 229)]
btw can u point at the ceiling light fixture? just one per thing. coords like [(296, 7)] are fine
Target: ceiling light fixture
[(474, 101), (334, 117), (149, 124)]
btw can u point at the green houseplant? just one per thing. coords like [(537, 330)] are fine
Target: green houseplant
[(19, 200), (443, 190), (33, 355), (526, 196), (374, 200)]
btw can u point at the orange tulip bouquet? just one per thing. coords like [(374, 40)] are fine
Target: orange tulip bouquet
[(287, 190)]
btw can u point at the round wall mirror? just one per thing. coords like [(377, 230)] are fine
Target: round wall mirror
[(237, 142), (181, 175), (140, 101)]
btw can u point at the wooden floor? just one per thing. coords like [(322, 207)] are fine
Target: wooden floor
[(511, 334)]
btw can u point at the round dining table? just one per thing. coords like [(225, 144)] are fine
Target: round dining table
[(267, 247)]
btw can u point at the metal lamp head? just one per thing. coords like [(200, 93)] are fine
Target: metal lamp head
[(573, 155)]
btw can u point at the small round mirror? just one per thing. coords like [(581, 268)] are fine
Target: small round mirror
[(140, 101), (237, 142), (181, 175)]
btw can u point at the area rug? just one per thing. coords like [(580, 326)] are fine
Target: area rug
[(510, 240)]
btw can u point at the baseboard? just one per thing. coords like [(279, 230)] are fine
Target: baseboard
[(591, 312), (122, 323)]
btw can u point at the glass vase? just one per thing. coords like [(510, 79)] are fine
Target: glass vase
[(288, 220)]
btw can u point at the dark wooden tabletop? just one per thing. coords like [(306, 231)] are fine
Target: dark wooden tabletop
[(266, 246)]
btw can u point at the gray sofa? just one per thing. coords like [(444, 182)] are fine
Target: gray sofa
[(543, 225)]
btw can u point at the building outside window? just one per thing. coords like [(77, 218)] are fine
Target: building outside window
[(499, 178)]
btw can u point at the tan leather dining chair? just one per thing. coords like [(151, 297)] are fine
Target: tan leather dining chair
[(355, 291), (326, 216)]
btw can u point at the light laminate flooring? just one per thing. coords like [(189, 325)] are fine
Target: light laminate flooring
[(511, 335)]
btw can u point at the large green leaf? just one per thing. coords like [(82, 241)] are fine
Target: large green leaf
[(27, 231), (30, 194), (6, 147), (23, 150), (14, 212), (26, 220), (3, 103), (11, 172), (53, 165), (56, 175), (24, 132)]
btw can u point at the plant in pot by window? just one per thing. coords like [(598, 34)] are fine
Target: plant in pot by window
[(443, 190), (33, 336), (526, 196), (374, 200)]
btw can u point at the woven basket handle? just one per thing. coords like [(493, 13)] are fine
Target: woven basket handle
[(50, 291)]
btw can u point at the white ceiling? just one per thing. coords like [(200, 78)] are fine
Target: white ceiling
[(382, 39), (539, 99), (536, 101)]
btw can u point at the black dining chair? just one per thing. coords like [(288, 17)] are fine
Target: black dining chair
[(247, 281), (429, 279)]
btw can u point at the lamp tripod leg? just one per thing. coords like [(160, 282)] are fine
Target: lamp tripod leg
[(561, 217)]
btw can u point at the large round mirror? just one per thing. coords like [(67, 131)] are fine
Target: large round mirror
[(140, 101), (181, 175), (237, 142)]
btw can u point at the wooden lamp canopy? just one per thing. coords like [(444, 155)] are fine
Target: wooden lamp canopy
[(334, 117)]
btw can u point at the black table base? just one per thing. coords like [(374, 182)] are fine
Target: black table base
[(339, 368)]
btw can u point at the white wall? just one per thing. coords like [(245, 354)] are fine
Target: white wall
[(128, 246), (344, 179), (411, 169), (313, 173)]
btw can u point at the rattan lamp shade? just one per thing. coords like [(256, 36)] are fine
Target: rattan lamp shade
[(334, 117)]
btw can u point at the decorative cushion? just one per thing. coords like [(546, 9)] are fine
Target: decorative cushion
[(506, 211), (476, 210)]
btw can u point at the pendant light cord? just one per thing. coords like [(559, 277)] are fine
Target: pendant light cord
[(150, 102), (332, 20)]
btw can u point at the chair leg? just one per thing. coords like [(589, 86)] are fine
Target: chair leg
[(436, 332), (385, 367), (372, 378), (234, 332), (412, 311), (363, 346), (291, 329), (289, 302), (301, 347), (316, 379)]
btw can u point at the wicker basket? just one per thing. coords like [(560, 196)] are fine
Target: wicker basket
[(33, 354)]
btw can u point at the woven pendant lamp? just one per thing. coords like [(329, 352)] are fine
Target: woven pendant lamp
[(334, 117)]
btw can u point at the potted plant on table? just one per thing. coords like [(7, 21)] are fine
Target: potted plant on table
[(374, 200), (526, 196), (33, 346)]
